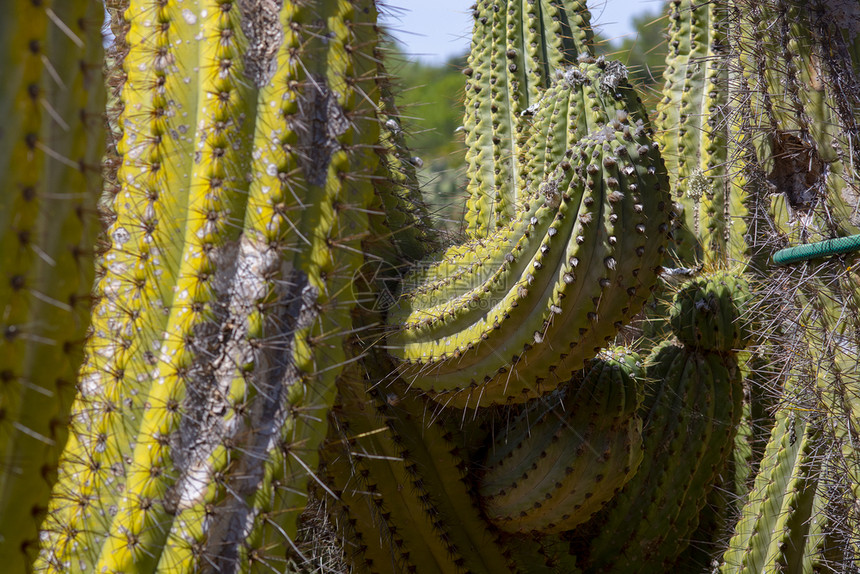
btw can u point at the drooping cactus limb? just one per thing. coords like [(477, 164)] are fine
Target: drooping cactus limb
[(558, 464), (51, 143), (475, 327), (247, 158)]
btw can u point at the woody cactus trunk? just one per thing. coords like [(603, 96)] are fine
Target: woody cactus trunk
[(641, 358)]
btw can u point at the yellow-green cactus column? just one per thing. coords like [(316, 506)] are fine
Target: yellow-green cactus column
[(51, 143), (248, 133), (790, 56)]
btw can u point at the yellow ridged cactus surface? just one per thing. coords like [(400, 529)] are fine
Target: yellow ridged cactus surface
[(51, 143), (247, 151)]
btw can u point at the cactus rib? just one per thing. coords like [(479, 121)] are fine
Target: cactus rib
[(514, 51), (51, 143), (553, 470)]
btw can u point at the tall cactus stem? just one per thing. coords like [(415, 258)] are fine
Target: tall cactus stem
[(51, 143), (248, 156)]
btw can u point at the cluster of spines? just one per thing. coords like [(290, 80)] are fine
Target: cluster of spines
[(565, 266), (789, 75), (247, 165), (51, 145), (406, 222)]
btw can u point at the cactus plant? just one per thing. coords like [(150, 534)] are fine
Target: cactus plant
[(287, 370)]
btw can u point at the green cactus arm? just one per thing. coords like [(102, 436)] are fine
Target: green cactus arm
[(713, 424), (549, 252), (727, 412), (787, 453), (692, 126), (371, 505), (131, 295), (555, 467), (419, 515), (687, 435), (396, 184), (789, 545), (757, 420), (516, 47), (51, 145), (666, 363), (215, 194)]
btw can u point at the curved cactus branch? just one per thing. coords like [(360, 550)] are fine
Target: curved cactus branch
[(508, 318), (561, 462), (690, 415)]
